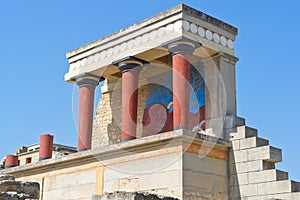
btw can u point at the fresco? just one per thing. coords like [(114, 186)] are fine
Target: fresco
[(158, 113)]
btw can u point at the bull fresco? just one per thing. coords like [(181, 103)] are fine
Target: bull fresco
[(158, 113)]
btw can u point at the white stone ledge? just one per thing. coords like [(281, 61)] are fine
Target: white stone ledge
[(170, 140)]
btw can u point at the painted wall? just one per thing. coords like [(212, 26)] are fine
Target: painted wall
[(158, 113)]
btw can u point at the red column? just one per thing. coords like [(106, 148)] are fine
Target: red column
[(85, 123), (87, 84), (130, 67), (181, 52), (11, 161), (129, 104), (46, 146), (181, 90)]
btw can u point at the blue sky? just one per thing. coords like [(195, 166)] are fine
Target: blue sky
[(35, 36)]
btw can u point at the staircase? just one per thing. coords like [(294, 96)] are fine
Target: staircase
[(252, 172)]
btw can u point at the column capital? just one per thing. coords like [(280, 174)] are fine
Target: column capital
[(182, 45), (87, 79), (130, 63)]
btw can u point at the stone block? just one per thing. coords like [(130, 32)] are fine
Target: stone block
[(249, 190), (267, 176), (243, 132), (252, 142), (70, 180), (209, 182), (251, 166), (235, 145), (171, 179), (79, 192), (289, 196), (204, 196), (232, 121), (277, 187), (243, 191), (238, 179), (267, 153), (295, 186), (194, 163), (146, 182), (236, 168), (143, 166), (264, 197), (238, 156)]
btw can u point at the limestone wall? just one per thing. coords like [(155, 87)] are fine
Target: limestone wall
[(160, 175), (108, 121), (77, 182), (166, 164), (206, 177)]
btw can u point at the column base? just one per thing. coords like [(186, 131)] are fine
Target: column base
[(181, 127), (40, 159), (11, 166), (127, 139), (82, 149)]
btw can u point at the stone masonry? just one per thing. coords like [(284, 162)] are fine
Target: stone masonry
[(227, 161), (107, 122), (252, 171), (131, 196), (148, 196), (17, 190)]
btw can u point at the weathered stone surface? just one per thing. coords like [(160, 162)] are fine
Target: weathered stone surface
[(107, 122), (13, 196), (131, 196), (243, 132), (252, 142), (252, 173), (5, 177), (11, 189), (205, 196)]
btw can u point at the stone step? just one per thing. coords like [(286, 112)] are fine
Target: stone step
[(243, 132), (267, 176), (253, 142), (252, 166), (288, 196), (248, 143), (285, 186), (231, 121), (257, 177), (267, 153), (267, 165), (264, 191), (295, 186)]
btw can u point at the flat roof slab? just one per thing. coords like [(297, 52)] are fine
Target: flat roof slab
[(145, 40)]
